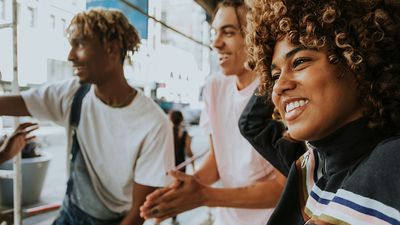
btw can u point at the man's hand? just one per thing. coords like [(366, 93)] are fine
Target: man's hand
[(184, 194), (17, 141)]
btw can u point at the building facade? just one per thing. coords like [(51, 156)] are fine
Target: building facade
[(42, 45)]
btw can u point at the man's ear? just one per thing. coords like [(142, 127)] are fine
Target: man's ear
[(114, 49)]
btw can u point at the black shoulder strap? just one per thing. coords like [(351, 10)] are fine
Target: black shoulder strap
[(74, 121), (77, 104)]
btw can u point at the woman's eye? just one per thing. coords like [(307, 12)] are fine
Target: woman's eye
[(297, 62), (275, 77), (229, 32)]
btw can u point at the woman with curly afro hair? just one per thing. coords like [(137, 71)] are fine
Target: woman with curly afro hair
[(332, 71)]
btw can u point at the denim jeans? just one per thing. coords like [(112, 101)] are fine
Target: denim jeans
[(72, 215)]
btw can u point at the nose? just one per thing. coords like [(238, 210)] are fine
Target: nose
[(217, 43), (284, 83), (72, 55)]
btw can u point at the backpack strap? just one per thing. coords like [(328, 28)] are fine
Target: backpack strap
[(74, 121), (77, 105), (76, 116)]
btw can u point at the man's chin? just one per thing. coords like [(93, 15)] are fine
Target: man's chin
[(83, 80), (227, 72)]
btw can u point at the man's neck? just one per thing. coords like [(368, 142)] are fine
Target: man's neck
[(245, 79), (115, 92)]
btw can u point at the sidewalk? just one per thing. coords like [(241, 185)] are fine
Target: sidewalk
[(55, 183)]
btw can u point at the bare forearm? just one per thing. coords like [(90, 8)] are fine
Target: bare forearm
[(208, 173), (207, 176), (138, 197), (13, 105), (263, 194), (132, 219)]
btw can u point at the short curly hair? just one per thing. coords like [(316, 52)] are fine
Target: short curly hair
[(362, 36), (107, 25)]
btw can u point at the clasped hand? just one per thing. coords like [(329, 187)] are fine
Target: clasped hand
[(185, 193)]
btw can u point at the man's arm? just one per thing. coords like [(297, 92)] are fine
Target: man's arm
[(139, 194), (13, 105), (262, 194), (190, 194), (187, 198), (208, 173)]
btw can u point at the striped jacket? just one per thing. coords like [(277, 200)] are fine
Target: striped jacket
[(350, 177)]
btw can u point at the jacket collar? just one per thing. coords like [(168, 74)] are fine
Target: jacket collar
[(347, 146)]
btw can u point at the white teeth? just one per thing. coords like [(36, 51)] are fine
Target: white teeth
[(296, 104), (223, 57)]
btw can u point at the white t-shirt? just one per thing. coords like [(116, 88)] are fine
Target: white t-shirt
[(237, 162), (120, 145)]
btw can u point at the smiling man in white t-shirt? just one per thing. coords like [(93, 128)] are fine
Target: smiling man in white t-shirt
[(251, 187), (124, 140)]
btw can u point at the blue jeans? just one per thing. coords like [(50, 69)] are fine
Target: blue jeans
[(72, 215)]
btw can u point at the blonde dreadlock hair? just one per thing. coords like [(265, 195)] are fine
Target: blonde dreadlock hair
[(108, 25)]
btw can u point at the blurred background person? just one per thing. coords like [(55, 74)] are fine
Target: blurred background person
[(182, 144), (182, 139)]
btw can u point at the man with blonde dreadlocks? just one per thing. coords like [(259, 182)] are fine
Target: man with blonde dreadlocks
[(121, 142)]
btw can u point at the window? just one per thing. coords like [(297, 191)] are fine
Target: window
[(32, 16), (3, 9), (53, 21), (63, 26)]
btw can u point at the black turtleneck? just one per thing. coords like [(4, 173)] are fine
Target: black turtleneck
[(353, 171), (346, 146)]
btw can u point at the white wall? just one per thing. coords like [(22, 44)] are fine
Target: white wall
[(40, 43)]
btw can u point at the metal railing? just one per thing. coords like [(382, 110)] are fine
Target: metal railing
[(16, 173)]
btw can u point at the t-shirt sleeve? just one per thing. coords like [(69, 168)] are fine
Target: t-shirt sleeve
[(51, 102), (204, 116), (156, 157)]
